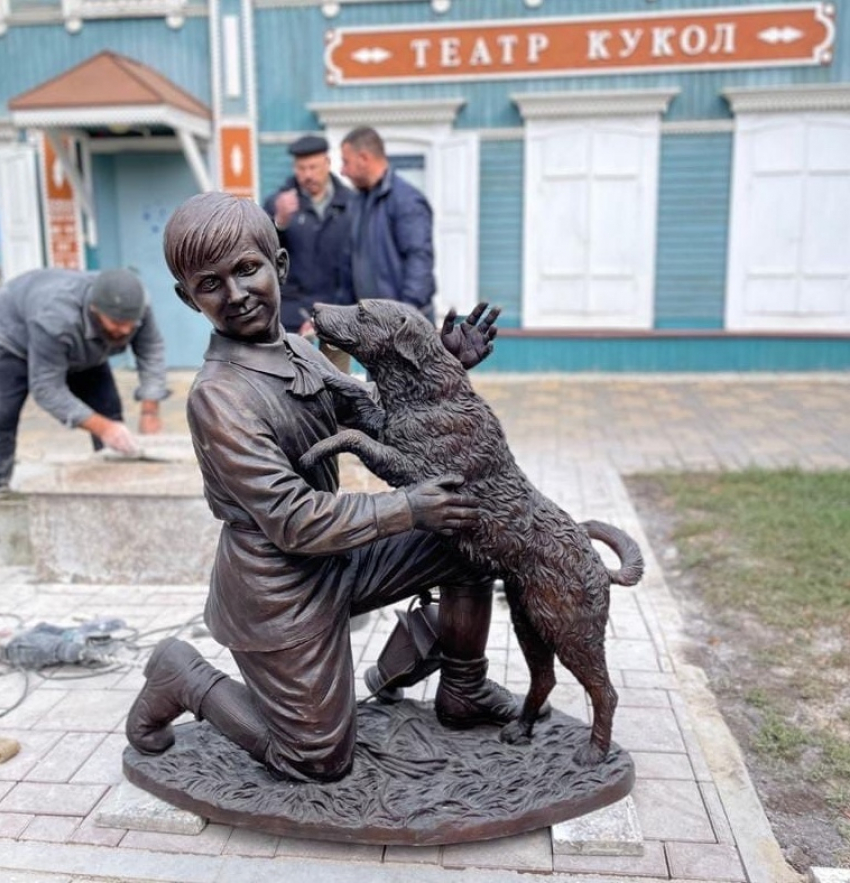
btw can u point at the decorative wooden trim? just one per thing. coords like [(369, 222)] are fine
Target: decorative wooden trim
[(75, 12), (585, 102), (664, 334), (129, 115), (785, 99), (383, 113), (696, 127)]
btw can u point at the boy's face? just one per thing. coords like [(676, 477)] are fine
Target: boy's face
[(239, 293)]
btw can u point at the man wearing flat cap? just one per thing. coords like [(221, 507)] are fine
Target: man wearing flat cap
[(58, 329), (311, 213)]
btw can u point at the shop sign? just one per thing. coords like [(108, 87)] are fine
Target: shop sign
[(236, 160), (64, 248), (692, 39)]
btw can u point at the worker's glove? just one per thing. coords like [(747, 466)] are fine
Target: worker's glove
[(436, 505), (470, 342), (119, 438)]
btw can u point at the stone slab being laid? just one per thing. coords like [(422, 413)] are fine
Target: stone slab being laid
[(612, 830), (829, 875), (134, 809)]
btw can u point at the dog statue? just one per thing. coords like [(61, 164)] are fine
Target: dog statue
[(434, 424)]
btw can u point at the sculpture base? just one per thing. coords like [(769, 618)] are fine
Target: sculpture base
[(413, 781)]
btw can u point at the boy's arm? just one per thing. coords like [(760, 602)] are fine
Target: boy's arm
[(243, 463)]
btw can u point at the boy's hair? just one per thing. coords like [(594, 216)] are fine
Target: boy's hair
[(367, 139), (204, 228)]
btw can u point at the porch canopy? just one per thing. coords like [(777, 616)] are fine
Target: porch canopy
[(115, 103)]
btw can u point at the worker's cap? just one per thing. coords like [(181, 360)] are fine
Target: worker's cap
[(119, 294), (307, 145)]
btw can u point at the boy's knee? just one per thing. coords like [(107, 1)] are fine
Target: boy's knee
[(318, 759), (310, 769)]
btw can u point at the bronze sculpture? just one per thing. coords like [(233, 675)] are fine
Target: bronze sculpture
[(287, 750)]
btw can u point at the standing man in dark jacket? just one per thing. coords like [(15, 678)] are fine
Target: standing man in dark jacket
[(392, 250), (312, 217), (58, 329)]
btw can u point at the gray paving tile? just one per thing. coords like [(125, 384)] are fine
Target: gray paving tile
[(65, 758), (705, 861), (672, 810), (243, 841), (52, 829), (523, 852), (647, 729), (651, 864), (661, 765), (210, 841), (52, 799), (296, 847)]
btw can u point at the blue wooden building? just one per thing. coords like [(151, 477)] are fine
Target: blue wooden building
[(644, 185)]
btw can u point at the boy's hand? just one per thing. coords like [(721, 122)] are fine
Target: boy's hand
[(470, 342), (436, 506)]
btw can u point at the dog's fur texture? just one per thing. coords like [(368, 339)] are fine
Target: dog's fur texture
[(435, 424)]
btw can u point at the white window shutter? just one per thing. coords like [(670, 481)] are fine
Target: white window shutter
[(590, 218), (20, 226), (789, 260), (455, 205)]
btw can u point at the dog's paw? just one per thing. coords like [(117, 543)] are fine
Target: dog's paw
[(589, 755), (515, 733), (311, 458)]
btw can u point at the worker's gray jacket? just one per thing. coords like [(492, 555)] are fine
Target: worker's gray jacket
[(45, 319)]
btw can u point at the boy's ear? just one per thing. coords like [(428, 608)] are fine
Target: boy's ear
[(184, 296), (282, 261)]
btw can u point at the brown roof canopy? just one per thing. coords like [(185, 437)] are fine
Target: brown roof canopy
[(108, 80)]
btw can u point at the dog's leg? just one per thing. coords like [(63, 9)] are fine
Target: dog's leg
[(591, 671), (541, 665), (386, 462)]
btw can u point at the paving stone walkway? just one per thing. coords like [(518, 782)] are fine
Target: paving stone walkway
[(575, 437)]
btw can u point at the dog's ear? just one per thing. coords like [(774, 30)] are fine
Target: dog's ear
[(407, 343)]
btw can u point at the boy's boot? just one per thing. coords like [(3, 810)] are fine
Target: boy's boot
[(179, 679), (465, 696)]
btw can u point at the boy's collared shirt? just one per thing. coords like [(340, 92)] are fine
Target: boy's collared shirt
[(281, 574)]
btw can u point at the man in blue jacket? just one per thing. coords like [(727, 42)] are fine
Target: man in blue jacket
[(391, 245), (311, 214)]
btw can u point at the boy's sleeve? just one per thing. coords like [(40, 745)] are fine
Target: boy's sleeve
[(247, 473)]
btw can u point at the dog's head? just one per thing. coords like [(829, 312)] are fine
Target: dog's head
[(379, 333)]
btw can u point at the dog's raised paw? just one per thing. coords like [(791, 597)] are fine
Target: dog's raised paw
[(515, 733)]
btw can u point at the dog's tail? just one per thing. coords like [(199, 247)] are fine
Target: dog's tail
[(626, 549)]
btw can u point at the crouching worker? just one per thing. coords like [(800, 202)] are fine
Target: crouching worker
[(296, 560)]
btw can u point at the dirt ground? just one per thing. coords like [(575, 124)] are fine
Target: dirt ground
[(754, 670)]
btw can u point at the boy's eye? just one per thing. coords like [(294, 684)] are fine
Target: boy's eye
[(248, 268), (209, 283)]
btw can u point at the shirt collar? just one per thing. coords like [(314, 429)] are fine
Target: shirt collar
[(278, 359)]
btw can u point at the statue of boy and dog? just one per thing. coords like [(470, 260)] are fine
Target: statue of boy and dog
[(296, 560)]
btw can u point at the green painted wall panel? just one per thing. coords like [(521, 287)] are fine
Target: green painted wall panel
[(666, 354), (500, 228), (31, 55), (693, 214)]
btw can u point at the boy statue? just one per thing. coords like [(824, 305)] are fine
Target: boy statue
[(296, 560)]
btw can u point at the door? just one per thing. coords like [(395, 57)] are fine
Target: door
[(589, 232), (147, 188), (20, 224)]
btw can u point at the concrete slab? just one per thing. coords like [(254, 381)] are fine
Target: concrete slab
[(612, 830), (129, 807), (829, 875), (146, 504)]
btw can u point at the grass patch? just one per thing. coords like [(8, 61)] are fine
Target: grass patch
[(776, 544), (767, 556)]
